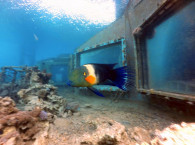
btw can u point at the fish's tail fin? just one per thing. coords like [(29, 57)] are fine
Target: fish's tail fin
[(123, 77)]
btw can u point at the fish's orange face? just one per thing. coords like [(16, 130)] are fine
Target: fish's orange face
[(79, 78), (91, 79)]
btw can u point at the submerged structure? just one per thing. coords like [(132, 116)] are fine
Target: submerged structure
[(148, 38), (155, 38), (59, 67), (14, 78)]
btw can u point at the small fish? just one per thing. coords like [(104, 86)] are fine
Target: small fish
[(35, 36), (93, 74)]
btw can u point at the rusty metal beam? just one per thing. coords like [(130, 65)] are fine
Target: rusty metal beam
[(168, 94)]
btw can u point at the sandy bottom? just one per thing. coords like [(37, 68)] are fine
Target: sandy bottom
[(130, 113)]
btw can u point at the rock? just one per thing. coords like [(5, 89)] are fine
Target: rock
[(70, 113), (88, 106), (108, 140), (77, 114), (43, 93), (106, 132), (22, 93), (11, 141), (139, 135), (73, 106), (7, 106), (44, 96), (175, 134), (41, 137), (86, 143), (62, 110), (65, 115), (4, 93)]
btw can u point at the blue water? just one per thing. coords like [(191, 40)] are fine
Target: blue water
[(29, 33)]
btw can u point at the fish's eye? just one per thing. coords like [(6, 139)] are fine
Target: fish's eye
[(84, 73)]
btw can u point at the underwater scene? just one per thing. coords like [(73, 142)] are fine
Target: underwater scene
[(97, 72)]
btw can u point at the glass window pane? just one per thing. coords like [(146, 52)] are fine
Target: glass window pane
[(107, 55), (170, 50)]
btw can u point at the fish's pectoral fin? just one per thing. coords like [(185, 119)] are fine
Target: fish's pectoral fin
[(95, 91)]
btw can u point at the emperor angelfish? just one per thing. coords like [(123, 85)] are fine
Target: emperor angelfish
[(93, 74)]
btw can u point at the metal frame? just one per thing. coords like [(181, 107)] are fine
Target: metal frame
[(76, 59), (140, 52)]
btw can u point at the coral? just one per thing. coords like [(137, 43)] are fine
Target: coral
[(43, 115), (44, 96), (31, 89), (15, 78), (46, 116), (20, 118), (73, 106), (40, 77), (7, 106), (45, 77), (19, 127)]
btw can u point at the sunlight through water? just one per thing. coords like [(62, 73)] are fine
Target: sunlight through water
[(98, 12)]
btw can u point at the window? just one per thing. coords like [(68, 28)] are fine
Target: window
[(166, 54), (58, 67), (107, 53), (59, 74)]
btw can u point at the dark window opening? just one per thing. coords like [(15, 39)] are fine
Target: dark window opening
[(109, 53)]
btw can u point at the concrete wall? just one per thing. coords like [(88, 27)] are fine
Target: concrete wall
[(140, 10)]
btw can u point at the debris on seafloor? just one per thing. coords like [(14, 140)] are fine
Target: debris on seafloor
[(42, 95), (72, 106), (14, 78), (28, 86), (21, 127)]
